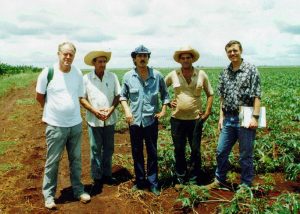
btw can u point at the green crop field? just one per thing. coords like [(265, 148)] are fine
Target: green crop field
[(277, 147)]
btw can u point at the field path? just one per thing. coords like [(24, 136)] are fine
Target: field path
[(20, 187)]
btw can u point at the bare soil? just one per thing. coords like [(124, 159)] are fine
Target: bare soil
[(20, 186)]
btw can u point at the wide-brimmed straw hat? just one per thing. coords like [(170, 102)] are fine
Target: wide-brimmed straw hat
[(189, 50), (88, 59)]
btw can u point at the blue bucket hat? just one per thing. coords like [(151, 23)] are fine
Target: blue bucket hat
[(140, 49)]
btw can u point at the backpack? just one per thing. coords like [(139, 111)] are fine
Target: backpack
[(50, 75)]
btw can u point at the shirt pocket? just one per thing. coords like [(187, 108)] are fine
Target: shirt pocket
[(197, 91), (177, 90), (152, 98), (134, 94)]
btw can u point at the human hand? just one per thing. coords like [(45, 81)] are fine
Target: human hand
[(220, 123), (253, 123), (203, 116), (173, 104), (129, 118), (160, 114)]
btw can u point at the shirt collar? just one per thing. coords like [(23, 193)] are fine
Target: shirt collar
[(94, 76), (242, 66), (179, 72), (150, 75)]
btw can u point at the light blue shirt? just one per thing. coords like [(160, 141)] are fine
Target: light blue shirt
[(143, 96)]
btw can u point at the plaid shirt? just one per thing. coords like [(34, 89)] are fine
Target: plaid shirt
[(239, 88)]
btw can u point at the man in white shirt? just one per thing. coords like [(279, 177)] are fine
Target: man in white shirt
[(101, 97), (64, 124)]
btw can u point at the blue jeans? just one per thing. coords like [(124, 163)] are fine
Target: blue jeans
[(102, 149), (183, 131), (231, 132), (137, 135), (57, 138)]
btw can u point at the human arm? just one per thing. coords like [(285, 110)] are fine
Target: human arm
[(162, 113), (127, 111), (169, 82), (41, 99), (209, 94), (86, 104), (221, 117), (111, 109), (41, 87), (256, 94), (255, 115), (207, 112)]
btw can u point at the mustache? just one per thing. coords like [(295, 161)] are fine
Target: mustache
[(143, 61)]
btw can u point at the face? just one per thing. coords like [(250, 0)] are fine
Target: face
[(66, 55), (234, 53), (141, 60), (185, 60), (100, 63)]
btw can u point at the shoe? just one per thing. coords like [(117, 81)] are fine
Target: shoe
[(219, 185), (136, 188), (50, 205), (214, 185), (109, 180), (155, 191), (85, 198), (97, 187), (180, 180), (193, 180)]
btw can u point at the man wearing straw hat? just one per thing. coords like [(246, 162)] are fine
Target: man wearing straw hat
[(101, 97), (187, 115)]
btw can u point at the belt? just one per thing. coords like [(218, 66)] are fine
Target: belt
[(230, 112)]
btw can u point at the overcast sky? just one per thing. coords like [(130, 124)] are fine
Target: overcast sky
[(269, 30)]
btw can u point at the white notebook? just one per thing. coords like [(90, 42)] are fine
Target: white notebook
[(246, 115)]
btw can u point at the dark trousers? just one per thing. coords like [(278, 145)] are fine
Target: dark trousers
[(183, 131), (137, 136)]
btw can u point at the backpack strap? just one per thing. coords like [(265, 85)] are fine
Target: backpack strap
[(50, 75)]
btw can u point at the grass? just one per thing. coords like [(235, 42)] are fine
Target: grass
[(26, 101), (4, 145), (4, 167), (8, 82)]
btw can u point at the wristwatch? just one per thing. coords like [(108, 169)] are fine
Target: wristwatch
[(255, 116)]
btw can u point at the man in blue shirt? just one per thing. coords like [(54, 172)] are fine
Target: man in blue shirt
[(139, 98)]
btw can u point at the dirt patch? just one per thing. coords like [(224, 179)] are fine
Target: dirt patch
[(20, 187)]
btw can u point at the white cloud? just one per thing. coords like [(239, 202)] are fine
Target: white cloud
[(268, 29)]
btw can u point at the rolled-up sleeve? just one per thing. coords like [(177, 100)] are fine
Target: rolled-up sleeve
[(255, 90), (124, 90), (165, 99)]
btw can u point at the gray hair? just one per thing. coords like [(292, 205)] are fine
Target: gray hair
[(66, 43)]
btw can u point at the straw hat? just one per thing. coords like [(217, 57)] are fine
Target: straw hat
[(189, 50), (88, 59)]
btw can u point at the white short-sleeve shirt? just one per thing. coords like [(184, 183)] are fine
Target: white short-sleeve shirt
[(62, 107), (100, 94)]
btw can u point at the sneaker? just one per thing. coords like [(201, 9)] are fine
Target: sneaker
[(50, 205), (155, 191), (219, 185), (214, 185), (85, 198)]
